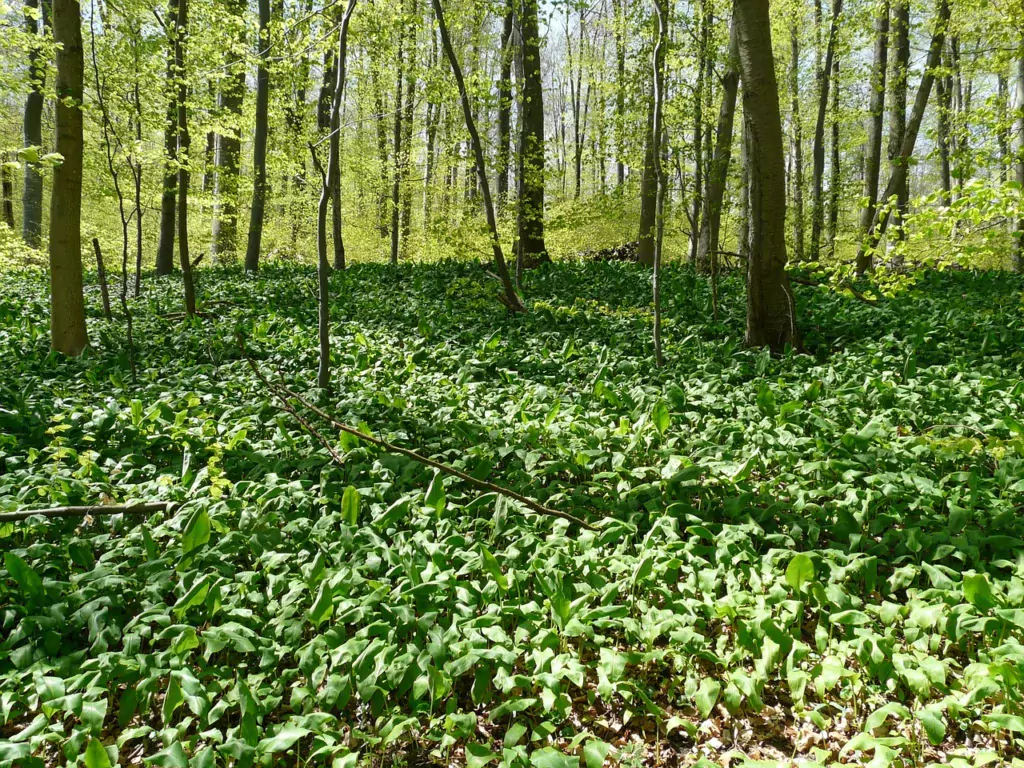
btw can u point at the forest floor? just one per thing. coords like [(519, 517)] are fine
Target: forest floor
[(815, 558)]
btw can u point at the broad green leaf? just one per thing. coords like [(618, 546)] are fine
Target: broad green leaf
[(707, 696), (350, 505), (96, 755), (800, 571), (197, 531), (26, 578)]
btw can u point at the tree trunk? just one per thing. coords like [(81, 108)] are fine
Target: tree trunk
[(797, 176), (661, 7), (711, 217), (944, 94), (620, 89), (505, 107), (407, 126), (229, 145), (898, 108), (168, 199), (328, 184), (396, 170), (32, 192), (7, 193), (259, 148), (648, 191), (698, 128), (1003, 129), (531, 202), (184, 142), (1019, 260), (510, 298), (771, 312), (834, 169), (901, 165), (382, 153), (743, 231), (818, 173), (876, 111), (67, 304)]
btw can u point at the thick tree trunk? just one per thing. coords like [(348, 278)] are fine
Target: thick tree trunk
[(32, 192), (505, 108), (898, 109), (531, 202), (259, 148), (743, 230), (229, 145), (797, 176), (67, 304), (168, 200), (648, 191), (818, 173), (876, 113), (711, 217), (901, 164), (771, 312), (184, 142), (510, 298)]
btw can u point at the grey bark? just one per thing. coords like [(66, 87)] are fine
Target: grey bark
[(32, 190), (259, 149), (876, 112), (168, 199), (229, 147), (818, 172)]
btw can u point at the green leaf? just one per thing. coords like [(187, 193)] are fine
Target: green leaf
[(660, 417), (171, 757), (490, 564), (173, 699), (707, 696), (978, 592), (549, 757), (283, 740), (350, 505), (477, 756), (595, 752), (933, 725), (800, 571), (26, 578), (323, 606), (96, 755), (197, 531)]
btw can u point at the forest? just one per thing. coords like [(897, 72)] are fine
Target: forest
[(563, 384)]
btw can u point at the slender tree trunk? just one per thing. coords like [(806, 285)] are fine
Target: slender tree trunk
[(328, 184), (531, 201), (661, 8), (67, 304), (578, 120), (620, 89), (898, 178), (510, 298), (32, 192), (648, 191), (818, 173), (771, 314), (876, 113), (396, 171), (505, 107), (407, 126), (229, 144), (137, 175), (7, 193), (1003, 130), (834, 169), (797, 176), (942, 138), (1019, 260), (168, 200), (711, 217), (898, 108), (382, 153), (698, 128), (259, 149), (184, 142)]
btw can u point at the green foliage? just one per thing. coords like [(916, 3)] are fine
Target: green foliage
[(828, 541)]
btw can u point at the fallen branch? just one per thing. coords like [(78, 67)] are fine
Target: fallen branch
[(282, 393), (96, 510)]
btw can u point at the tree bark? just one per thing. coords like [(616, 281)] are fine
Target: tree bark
[(259, 150), (876, 112), (771, 312), (67, 304), (1019, 260), (184, 142), (620, 89), (168, 199), (835, 169), (510, 297), (229, 145), (1003, 129), (698, 127), (818, 173), (743, 230), (898, 178), (898, 107), (711, 217), (409, 108), (531, 151), (32, 192), (661, 7), (328, 183), (505, 107), (648, 191), (7, 193), (797, 176)]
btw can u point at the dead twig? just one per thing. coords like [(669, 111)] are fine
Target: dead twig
[(282, 393), (95, 510)]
